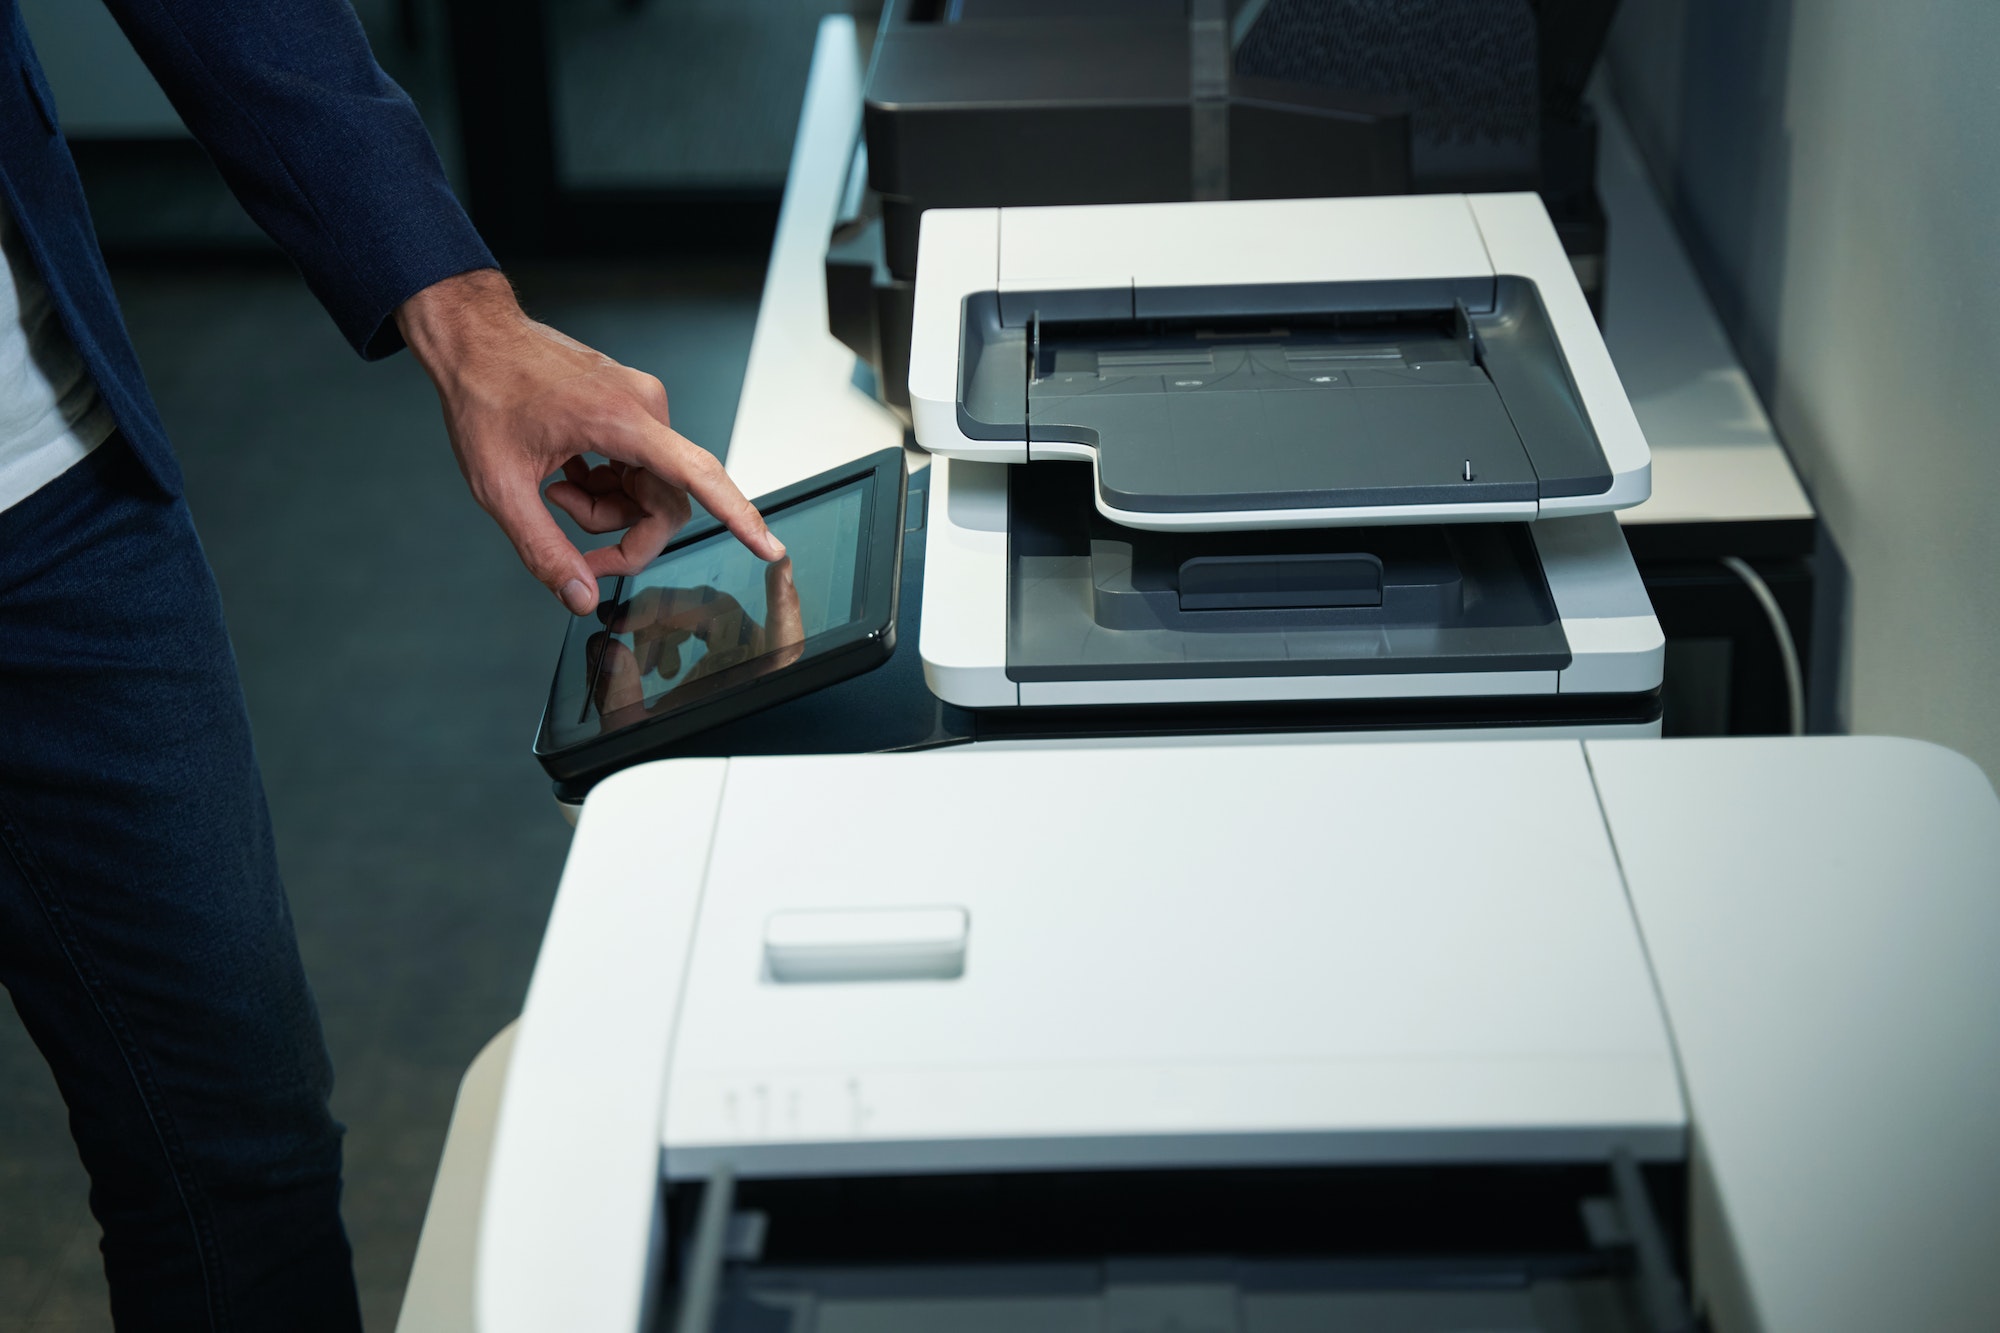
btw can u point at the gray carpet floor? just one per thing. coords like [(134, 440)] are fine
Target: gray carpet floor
[(395, 658)]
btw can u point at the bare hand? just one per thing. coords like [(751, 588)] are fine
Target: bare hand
[(522, 401)]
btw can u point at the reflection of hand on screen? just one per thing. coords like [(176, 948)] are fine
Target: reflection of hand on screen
[(660, 622)]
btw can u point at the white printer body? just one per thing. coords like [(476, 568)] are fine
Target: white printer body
[(969, 1006), (1257, 452)]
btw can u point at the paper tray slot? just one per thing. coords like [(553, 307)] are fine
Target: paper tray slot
[(1273, 582)]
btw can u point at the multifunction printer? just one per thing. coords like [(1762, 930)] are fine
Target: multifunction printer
[(1353, 454), (1487, 1037)]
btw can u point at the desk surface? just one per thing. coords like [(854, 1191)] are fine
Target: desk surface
[(1715, 456), (800, 411)]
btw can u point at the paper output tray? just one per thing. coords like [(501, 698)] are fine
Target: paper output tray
[(1381, 399), (1092, 600)]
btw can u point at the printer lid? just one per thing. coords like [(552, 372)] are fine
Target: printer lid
[(1203, 955), (1277, 363)]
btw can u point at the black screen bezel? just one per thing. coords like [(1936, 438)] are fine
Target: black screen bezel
[(831, 655)]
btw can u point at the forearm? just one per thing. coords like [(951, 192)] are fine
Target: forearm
[(321, 147)]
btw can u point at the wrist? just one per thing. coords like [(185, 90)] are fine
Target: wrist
[(441, 319)]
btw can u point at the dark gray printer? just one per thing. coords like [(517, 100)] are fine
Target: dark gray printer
[(990, 103)]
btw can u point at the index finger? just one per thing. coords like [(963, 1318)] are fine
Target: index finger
[(784, 622), (667, 453)]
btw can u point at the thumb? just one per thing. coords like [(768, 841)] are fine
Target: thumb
[(551, 557)]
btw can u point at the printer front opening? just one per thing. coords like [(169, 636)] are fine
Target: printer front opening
[(1418, 1249)]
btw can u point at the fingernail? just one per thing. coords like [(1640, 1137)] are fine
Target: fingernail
[(786, 575), (575, 596), (777, 547)]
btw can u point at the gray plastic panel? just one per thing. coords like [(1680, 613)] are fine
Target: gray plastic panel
[(1215, 1297), (1517, 346), (1090, 600), (1270, 582), (1311, 396), (992, 372), (1307, 298), (1307, 421)]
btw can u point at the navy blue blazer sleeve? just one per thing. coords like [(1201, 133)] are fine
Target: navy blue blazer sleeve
[(321, 146)]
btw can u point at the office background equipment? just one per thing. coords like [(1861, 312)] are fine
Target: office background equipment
[(1019, 102)]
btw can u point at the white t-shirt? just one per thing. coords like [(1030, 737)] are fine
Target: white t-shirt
[(51, 416)]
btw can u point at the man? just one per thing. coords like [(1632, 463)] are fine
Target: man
[(144, 935)]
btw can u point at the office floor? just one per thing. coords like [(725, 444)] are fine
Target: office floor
[(394, 657)]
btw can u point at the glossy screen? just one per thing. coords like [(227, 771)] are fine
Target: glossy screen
[(711, 613)]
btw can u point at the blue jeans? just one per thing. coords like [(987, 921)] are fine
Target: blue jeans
[(144, 935)]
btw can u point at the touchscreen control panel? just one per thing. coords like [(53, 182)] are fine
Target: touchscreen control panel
[(709, 632)]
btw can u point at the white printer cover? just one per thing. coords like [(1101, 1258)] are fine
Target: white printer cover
[(965, 961)]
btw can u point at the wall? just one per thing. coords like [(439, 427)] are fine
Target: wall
[(1835, 168)]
